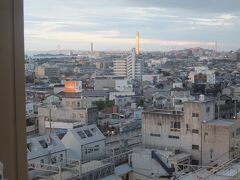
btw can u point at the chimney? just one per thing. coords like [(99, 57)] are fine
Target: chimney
[(137, 43)]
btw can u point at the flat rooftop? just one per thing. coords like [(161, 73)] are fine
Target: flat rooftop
[(221, 122), (164, 111)]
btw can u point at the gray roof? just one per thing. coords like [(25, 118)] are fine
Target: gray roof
[(41, 146), (84, 135), (86, 93)]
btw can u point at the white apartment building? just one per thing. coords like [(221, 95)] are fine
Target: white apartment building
[(130, 67), (120, 67), (123, 85)]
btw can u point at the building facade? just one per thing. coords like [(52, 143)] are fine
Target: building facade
[(191, 131), (131, 67)]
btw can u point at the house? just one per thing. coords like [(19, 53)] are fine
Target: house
[(47, 149), (85, 143)]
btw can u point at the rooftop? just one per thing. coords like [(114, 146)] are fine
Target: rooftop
[(221, 122), (85, 134), (164, 111)]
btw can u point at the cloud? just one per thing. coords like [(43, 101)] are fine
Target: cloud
[(209, 6), (114, 23)]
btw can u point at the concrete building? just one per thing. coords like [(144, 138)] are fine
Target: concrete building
[(29, 67), (178, 96), (236, 56), (84, 69), (232, 91), (51, 72), (120, 67), (85, 143), (83, 99), (114, 94), (124, 100), (62, 118), (39, 72), (153, 78), (58, 88), (192, 131), (106, 82), (46, 71), (130, 67), (52, 99), (123, 85), (202, 75)]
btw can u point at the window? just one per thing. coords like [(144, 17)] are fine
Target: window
[(74, 116), (81, 134), (96, 147), (156, 135), (43, 144), (29, 146), (159, 124), (207, 109), (89, 150), (195, 131), (88, 133), (67, 103), (53, 160), (195, 162), (195, 115), (175, 126), (173, 137), (237, 131), (195, 147), (94, 130), (61, 157), (42, 161)]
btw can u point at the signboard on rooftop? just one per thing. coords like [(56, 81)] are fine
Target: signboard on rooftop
[(72, 86)]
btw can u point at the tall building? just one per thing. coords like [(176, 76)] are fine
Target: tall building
[(130, 67), (137, 44), (237, 58), (91, 47)]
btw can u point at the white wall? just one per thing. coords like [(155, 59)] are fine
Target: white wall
[(112, 95), (123, 85)]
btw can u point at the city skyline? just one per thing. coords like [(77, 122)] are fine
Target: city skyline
[(164, 25)]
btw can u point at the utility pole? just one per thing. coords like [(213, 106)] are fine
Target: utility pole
[(235, 108)]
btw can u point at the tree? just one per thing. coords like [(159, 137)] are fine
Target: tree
[(103, 104)]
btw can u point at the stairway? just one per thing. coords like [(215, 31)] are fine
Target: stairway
[(165, 167)]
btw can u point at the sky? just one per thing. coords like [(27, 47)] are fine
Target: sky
[(112, 24)]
